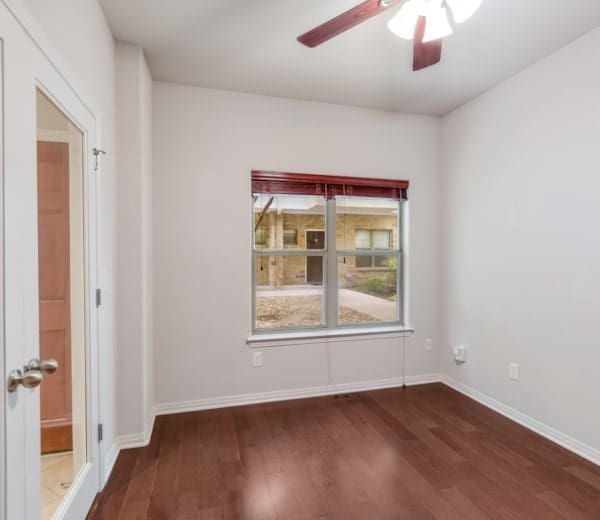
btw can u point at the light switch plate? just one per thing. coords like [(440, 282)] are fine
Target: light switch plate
[(257, 360)]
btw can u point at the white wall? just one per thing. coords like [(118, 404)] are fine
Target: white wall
[(134, 283), (206, 142), (521, 189), (87, 48)]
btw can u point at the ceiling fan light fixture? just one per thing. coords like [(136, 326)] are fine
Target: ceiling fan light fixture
[(437, 25), (403, 24), (462, 10)]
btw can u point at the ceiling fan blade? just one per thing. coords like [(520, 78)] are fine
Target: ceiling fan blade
[(345, 21), (425, 54)]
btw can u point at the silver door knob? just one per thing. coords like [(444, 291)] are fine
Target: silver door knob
[(30, 379), (46, 366)]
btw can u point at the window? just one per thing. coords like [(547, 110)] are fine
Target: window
[(290, 237), (261, 237), (327, 252), (366, 239)]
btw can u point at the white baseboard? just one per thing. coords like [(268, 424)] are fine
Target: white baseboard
[(286, 395), (560, 438), (137, 440), (109, 462)]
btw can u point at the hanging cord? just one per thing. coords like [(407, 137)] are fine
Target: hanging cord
[(331, 382), (345, 213), (403, 363)]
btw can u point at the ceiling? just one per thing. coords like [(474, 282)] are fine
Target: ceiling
[(250, 46)]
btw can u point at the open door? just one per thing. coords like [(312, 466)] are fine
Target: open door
[(50, 270)]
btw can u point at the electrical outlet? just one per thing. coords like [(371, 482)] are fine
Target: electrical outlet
[(257, 360), (428, 344), (513, 371), (460, 355)]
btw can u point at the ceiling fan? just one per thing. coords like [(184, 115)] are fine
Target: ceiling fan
[(425, 21)]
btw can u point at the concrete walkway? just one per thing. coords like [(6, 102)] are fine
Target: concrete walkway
[(380, 308)]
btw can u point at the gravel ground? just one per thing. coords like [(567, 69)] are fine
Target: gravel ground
[(299, 311)]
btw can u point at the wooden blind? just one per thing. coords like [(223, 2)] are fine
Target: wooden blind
[(328, 186)]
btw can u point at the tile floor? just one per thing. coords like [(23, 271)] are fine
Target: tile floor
[(57, 474)]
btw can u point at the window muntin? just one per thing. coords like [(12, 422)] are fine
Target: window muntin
[(352, 278)]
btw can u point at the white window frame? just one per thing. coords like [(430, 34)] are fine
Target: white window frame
[(265, 337)]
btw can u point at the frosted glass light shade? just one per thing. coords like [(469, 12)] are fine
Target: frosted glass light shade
[(404, 23), (437, 25), (463, 9)]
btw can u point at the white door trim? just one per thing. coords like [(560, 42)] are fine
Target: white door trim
[(2, 353)]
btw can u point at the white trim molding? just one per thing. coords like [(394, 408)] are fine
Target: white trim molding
[(284, 339), (137, 440), (109, 463), (294, 393), (560, 438)]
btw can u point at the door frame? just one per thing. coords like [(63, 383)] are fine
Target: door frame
[(87, 126), (53, 79), (3, 390)]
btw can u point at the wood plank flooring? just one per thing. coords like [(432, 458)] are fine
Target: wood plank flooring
[(424, 453)]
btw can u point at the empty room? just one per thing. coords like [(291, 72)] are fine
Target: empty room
[(300, 259)]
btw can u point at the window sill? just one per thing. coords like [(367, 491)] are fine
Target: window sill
[(322, 336)]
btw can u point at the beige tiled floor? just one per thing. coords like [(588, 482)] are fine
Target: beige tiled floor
[(57, 475)]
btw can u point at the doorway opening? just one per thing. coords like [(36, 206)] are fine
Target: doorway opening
[(62, 285), (315, 239)]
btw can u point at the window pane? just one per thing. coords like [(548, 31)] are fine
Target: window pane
[(289, 291), (290, 237), (286, 221), (365, 223), (381, 239), (363, 261), (362, 239), (367, 296)]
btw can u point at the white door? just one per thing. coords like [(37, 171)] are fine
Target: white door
[(27, 73)]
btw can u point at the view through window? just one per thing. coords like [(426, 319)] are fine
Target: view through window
[(328, 260)]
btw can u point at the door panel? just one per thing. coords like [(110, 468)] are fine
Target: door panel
[(54, 280), (27, 64), (314, 264)]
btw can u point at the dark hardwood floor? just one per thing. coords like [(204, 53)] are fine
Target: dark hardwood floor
[(424, 453)]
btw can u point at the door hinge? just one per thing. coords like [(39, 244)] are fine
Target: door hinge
[(100, 432), (98, 297)]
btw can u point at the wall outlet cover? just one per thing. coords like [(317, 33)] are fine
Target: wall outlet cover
[(257, 360), (514, 372), (428, 344)]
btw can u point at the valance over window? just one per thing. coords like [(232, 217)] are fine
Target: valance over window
[(327, 186)]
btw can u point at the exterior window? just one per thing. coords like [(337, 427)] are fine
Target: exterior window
[(261, 237), (366, 239), (326, 260), (290, 237)]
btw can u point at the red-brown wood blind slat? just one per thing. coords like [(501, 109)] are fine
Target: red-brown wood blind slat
[(328, 186)]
